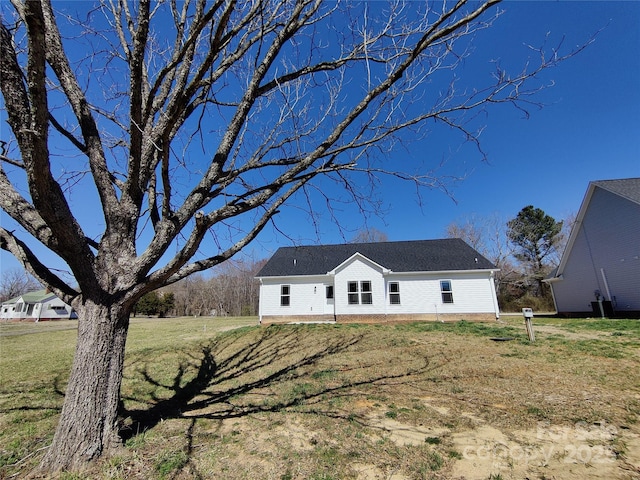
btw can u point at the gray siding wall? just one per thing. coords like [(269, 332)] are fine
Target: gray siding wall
[(609, 239)]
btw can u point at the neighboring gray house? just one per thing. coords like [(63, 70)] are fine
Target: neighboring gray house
[(36, 306), (601, 263), (444, 280)]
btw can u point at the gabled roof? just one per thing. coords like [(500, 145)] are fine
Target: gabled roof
[(409, 256), (32, 297), (627, 188), (360, 257), (37, 296)]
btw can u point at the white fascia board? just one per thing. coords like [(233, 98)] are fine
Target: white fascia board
[(553, 279), (384, 270), (445, 272), (289, 277)]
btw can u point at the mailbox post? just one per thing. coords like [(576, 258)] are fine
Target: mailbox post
[(528, 316)]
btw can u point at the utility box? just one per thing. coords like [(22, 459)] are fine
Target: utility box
[(528, 315)]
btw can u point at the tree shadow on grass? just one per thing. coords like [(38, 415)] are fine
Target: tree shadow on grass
[(240, 374)]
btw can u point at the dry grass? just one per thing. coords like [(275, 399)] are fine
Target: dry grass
[(413, 401)]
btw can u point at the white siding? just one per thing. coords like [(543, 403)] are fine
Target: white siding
[(472, 293), (36, 310), (609, 239), (358, 270), (307, 296)]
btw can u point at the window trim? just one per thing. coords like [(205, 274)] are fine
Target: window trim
[(360, 292), (394, 296), (329, 294), (366, 296), (446, 294), (285, 295), (353, 293)]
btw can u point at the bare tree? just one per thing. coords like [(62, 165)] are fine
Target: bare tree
[(488, 235), (563, 238), (186, 292), (196, 119), (236, 287), (231, 290), (471, 231), (15, 282), (369, 235)]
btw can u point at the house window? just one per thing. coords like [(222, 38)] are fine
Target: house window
[(352, 291), (359, 293), (365, 293), (394, 293), (446, 290), (329, 291), (285, 295)]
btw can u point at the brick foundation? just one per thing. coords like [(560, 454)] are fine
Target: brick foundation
[(273, 319), (381, 318)]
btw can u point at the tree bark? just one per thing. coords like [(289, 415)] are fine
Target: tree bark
[(88, 423)]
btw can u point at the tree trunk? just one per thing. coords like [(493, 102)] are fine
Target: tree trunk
[(88, 423)]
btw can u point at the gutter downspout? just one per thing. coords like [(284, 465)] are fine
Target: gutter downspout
[(386, 295), (553, 296), (494, 296), (606, 284), (606, 287)]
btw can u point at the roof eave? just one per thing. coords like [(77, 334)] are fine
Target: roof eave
[(355, 255), (433, 272), (559, 278), (294, 276), (386, 272), (577, 224)]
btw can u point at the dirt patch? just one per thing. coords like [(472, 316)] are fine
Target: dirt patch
[(403, 434), (564, 452), (371, 472), (552, 330), (546, 451)]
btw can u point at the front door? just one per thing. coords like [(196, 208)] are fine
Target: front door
[(329, 307)]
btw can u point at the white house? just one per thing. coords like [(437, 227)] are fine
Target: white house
[(601, 263), (36, 306), (443, 280)]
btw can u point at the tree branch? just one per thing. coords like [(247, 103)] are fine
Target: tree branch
[(32, 264)]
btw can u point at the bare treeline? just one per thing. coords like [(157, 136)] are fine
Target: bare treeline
[(231, 290), (16, 282)]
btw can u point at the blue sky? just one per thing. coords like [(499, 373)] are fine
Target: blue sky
[(589, 129)]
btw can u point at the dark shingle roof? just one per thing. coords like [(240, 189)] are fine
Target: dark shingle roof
[(408, 256), (628, 188)]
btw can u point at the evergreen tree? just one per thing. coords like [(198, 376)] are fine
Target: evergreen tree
[(148, 304), (535, 237)]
